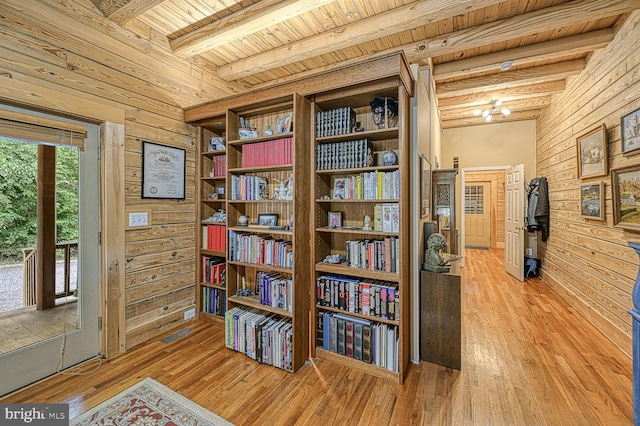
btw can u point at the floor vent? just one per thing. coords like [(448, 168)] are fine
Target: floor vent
[(476, 247), (176, 335)]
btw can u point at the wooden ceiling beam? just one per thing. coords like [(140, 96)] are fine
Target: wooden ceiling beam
[(475, 121), (249, 20), (547, 19), (510, 79), (122, 11), (421, 13), (384, 24), (513, 106), (522, 92), (549, 50)]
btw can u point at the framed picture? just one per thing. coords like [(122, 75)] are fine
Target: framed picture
[(592, 201), (425, 187), (335, 219), (268, 219), (630, 129), (163, 171), (339, 188), (593, 153), (625, 186), (284, 123)]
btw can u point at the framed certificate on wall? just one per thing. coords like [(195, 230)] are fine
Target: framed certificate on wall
[(163, 171)]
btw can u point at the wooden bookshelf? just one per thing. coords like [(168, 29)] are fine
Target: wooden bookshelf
[(282, 163), (206, 186), (329, 240)]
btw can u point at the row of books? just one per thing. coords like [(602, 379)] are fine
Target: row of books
[(386, 217), (268, 153), (374, 255), (214, 301), (368, 186), (374, 298), (338, 121), (373, 343), (275, 290), (219, 165), (213, 237), (265, 337), (263, 250), (213, 269), (248, 187), (344, 155)]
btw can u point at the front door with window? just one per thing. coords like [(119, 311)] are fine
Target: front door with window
[(477, 211)]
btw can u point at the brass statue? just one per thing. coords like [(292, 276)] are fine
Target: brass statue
[(433, 261)]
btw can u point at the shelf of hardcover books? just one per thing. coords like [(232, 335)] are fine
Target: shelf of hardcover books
[(212, 165), (357, 223), (265, 161)]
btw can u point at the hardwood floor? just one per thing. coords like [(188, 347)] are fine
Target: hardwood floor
[(527, 358)]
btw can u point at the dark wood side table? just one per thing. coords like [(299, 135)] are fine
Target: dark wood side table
[(441, 318)]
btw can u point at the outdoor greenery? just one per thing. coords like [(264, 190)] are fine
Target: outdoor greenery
[(18, 197)]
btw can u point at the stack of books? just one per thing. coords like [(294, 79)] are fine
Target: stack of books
[(338, 121), (344, 155), (269, 153), (374, 298), (374, 255), (263, 250)]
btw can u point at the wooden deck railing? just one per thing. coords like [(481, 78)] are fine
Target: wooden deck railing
[(30, 262)]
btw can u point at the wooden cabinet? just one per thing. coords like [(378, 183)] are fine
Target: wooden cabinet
[(360, 305), (441, 318), (444, 206)]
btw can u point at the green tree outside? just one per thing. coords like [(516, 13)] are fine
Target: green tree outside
[(18, 197)]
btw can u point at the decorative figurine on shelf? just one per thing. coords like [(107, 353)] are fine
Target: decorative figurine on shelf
[(268, 131), (218, 217), (367, 223), (212, 196), (389, 158), (285, 190), (244, 291), (432, 260), (243, 221), (385, 112), (358, 127), (289, 192), (334, 259), (216, 143)]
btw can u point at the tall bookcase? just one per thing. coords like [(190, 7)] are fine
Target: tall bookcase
[(307, 207), (352, 299), (269, 254), (211, 292)]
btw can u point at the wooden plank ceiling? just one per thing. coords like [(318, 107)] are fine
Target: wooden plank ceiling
[(260, 43)]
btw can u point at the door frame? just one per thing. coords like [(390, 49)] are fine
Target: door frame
[(463, 173), (111, 263)]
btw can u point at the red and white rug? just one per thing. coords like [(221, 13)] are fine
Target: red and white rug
[(149, 403)]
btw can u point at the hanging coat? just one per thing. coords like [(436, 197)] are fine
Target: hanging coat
[(538, 208)]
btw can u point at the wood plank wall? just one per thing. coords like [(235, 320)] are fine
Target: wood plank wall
[(588, 262), (497, 179), (64, 47)]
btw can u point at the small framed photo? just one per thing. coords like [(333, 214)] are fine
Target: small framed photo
[(625, 188), (335, 219), (592, 201), (593, 153), (284, 123), (630, 129), (268, 219), (339, 188)]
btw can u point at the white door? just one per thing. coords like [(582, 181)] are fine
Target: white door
[(31, 363), (514, 218)]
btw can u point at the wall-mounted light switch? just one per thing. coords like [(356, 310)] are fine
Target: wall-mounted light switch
[(138, 219)]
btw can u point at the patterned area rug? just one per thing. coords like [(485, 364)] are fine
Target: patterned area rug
[(149, 403)]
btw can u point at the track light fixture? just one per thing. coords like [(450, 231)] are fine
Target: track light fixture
[(487, 113)]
